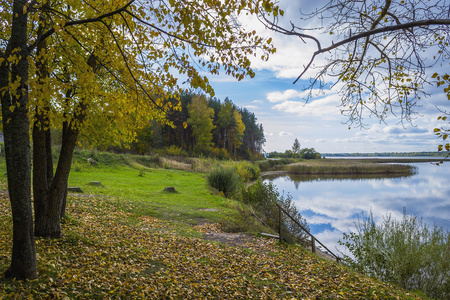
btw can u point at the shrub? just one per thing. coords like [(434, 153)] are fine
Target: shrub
[(77, 167), (172, 151), (225, 180), (247, 171), (274, 164), (406, 253), (264, 197)]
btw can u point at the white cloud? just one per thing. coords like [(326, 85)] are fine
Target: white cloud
[(325, 107), (292, 54), (284, 133), (292, 94)]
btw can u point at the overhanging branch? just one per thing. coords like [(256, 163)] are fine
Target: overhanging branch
[(79, 22), (366, 34)]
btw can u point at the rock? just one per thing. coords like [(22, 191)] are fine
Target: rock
[(75, 189), (170, 189), (95, 183)]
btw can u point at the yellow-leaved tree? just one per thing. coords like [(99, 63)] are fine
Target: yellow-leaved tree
[(82, 65), (237, 133)]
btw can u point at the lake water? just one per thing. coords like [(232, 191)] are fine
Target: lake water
[(330, 206)]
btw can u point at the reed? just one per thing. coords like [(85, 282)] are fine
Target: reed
[(316, 167)]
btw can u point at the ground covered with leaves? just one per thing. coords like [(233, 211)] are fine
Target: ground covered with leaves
[(107, 253)]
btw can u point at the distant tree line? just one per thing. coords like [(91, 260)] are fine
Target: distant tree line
[(296, 152), (204, 126), (395, 154)]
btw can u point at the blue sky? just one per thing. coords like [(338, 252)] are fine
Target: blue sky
[(280, 108)]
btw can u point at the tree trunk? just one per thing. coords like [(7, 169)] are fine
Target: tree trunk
[(42, 151), (53, 200), (49, 225), (17, 148), (41, 179)]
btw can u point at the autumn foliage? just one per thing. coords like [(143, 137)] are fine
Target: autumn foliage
[(107, 253)]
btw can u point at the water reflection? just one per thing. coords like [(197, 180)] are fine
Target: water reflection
[(330, 203), (297, 178)]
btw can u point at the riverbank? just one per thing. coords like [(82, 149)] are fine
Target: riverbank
[(129, 239), (111, 251)]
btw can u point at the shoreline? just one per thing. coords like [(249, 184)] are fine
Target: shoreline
[(339, 166)]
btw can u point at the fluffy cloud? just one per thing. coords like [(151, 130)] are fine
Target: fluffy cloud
[(325, 107), (284, 133), (292, 94)]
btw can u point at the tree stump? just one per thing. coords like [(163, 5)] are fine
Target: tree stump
[(170, 189), (74, 189)]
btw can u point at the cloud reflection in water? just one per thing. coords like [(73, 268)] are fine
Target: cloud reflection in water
[(330, 204)]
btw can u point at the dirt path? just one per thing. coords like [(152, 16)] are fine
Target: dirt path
[(213, 232)]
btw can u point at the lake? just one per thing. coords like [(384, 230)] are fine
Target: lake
[(330, 206)]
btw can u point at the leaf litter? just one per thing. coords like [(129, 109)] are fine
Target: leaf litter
[(104, 255)]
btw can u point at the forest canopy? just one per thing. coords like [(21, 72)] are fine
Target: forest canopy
[(219, 129)]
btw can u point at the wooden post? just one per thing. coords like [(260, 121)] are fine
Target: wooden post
[(279, 224), (313, 244)]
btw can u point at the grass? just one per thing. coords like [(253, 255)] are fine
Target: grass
[(140, 190), (347, 167), (129, 239), (105, 256)]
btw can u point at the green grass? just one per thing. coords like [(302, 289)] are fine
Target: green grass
[(142, 193), (104, 256), (130, 240)]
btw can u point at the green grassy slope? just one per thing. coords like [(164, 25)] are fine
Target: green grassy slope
[(130, 240)]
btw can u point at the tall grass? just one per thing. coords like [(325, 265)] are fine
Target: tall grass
[(348, 167), (405, 252), (225, 180)]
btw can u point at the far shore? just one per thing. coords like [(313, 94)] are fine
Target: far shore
[(399, 159), (357, 166)]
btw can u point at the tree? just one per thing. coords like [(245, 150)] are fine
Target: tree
[(237, 132), (309, 153), (296, 148), (380, 55), (14, 99), (201, 119), (253, 139), (97, 79), (226, 122)]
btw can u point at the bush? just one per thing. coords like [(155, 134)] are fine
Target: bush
[(309, 153), (225, 180), (175, 151), (274, 164), (264, 199), (406, 253), (247, 171)]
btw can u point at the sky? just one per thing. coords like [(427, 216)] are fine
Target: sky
[(279, 104)]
